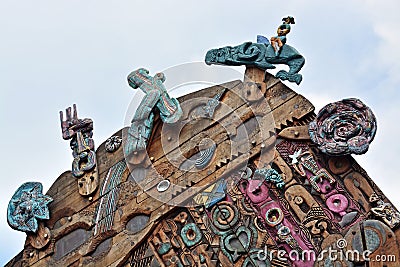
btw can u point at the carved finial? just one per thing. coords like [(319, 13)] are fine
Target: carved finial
[(263, 54), (27, 206), (80, 132), (142, 122)]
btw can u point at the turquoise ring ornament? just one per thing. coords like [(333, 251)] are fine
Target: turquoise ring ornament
[(27, 206), (191, 234)]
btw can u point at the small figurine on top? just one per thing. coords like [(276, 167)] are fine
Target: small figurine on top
[(278, 41)]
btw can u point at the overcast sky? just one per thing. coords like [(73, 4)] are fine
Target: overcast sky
[(56, 53)]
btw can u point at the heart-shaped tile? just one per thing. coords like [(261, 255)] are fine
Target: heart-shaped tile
[(238, 243)]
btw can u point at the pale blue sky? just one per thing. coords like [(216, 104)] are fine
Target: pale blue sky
[(55, 53)]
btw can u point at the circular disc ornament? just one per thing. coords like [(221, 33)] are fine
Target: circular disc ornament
[(274, 216), (163, 185)]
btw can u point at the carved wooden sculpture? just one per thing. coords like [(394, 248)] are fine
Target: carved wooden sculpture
[(344, 127), (142, 122), (262, 55), (80, 131), (226, 186), (27, 209)]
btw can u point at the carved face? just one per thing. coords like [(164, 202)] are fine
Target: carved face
[(84, 157), (82, 142)]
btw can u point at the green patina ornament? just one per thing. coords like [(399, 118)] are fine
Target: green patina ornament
[(271, 175), (164, 248), (27, 206), (191, 234), (156, 98), (263, 54)]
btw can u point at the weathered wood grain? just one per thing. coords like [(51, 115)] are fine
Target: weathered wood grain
[(244, 129)]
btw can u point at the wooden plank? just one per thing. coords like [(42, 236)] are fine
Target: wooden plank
[(297, 107), (295, 133)]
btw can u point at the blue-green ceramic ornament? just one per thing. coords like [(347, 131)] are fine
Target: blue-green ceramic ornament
[(27, 205)]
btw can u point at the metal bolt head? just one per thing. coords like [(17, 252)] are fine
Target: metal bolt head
[(90, 198), (262, 145), (169, 138), (152, 158), (296, 134), (46, 236), (163, 185), (31, 254), (69, 218)]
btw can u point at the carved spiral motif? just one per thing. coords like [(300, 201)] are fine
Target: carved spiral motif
[(225, 215), (344, 127), (206, 156)]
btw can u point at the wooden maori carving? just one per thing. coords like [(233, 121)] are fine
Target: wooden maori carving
[(300, 200), (359, 188), (174, 239), (295, 133), (113, 143), (217, 192), (283, 168), (27, 205), (302, 161), (262, 54), (275, 218), (203, 108), (371, 241), (385, 211), (344, 127), (142, 122), (80, 131), (342, 208), (27, 209), (271, 175)]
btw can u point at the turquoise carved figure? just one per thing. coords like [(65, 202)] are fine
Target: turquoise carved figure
[(263, 54), (156, 97), (27, 205)]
